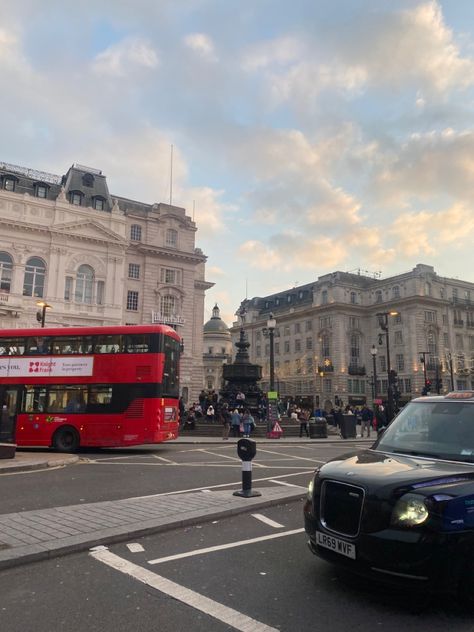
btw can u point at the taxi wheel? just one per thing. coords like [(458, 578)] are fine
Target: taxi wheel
[(66, 439)]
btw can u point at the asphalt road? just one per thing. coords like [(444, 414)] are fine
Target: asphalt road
[(116, 474), (249, 577)]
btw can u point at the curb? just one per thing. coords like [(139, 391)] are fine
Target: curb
[(40, 464), (27, 554)]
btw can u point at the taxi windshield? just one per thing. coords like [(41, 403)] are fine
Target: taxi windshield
[(442, 429)]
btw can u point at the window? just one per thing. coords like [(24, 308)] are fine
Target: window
[(324, 297), (400, 362), (108, 343), (6, 272), (325, 322), (354, 322), (286, 330), (287, 346), (309, 365), (398, 338), (99, 204), (136, 232), (378, 296), (267, 349), (355, 350), (33, 284), (395, 291), (298, 366), (445, 340), (430, 317), (325, 348), (68, 288), (455, 293), (168, 306), (171, 237), (84, 284), (298, 345), (100, 292), (445, 319), (297, 328), (309, 343), (169, 275), (9, 184), (327, 385), (397, 319), (41, 191), (132, 300), (353, 298), (133, 271), (309, 325), (382, 364), (277, 348), (459, 341), (76, 198)]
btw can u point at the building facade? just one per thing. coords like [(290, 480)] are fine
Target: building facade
[(98, 259), (217, 351), (328, 336)]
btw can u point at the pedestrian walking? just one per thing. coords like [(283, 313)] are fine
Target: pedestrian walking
[(235, 420), (366, 416), (303, 417), (248, 422), (225, 418)]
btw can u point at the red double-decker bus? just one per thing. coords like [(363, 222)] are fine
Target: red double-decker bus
[(89, 386)]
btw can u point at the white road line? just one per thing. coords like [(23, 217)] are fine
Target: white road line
[(198, 489), (297, 458), (229, 616), (268, 521), (223, 456), (134, 547), (162, 458), (222, 547), (283, 483)]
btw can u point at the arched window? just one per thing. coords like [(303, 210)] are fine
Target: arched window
[(172, 237), (35, 271), (353, 298), (6, 272), (135, 232), (168, 306), (84, 284)]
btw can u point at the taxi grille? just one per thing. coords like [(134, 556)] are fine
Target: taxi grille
[(341, 507)]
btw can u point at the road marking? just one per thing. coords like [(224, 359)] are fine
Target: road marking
[(298, 458), (229, 616), (223, 456), (134, 547), (283, 483), (162, 458), (268, 521), (222, 547), (198, 489)]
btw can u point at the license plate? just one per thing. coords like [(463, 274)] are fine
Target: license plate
[(336, 545)]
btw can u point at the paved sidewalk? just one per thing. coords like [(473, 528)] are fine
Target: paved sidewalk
[(43, 534)]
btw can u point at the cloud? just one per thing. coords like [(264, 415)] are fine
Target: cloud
[(126, 57), (202, 45)]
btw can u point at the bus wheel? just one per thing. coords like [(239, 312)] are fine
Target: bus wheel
[(66, 439)]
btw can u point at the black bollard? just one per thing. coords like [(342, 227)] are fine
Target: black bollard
[(246, 449)]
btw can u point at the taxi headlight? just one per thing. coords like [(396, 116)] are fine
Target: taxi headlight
[(309, 494), (409, 511)]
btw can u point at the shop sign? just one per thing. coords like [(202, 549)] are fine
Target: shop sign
[(173, 319)]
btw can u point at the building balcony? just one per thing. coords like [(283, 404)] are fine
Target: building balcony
[(355, 369), (458, 322), (326, 368)]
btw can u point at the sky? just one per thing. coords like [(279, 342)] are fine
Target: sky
[(308, 136)]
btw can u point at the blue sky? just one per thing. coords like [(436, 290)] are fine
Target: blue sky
[(309, 136)]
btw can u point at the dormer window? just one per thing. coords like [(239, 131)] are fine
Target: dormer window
[(98, 203), (88, 180), (41, 190), (9, 183), (76, 198)]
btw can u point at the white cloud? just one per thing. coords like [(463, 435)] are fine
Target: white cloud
[(125, 57), (202, 45)]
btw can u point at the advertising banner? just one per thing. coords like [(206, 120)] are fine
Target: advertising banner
[(46, 366)]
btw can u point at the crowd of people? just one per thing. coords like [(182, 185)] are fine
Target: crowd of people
[(365, 417)]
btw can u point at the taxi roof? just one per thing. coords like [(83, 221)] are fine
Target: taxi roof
[(464, 396)]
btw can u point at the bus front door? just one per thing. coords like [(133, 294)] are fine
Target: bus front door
[(9, 404)]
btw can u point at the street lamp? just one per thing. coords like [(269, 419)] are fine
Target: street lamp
[(383, 323), (41, 316), (269, 331), (373, 353)]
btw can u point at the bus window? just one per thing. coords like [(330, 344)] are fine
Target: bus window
[(12, 346), (138, 343), (67, 345), (99, 400), (67, 399), (34, 399), (39, 345), (108, 344), (171, 367)]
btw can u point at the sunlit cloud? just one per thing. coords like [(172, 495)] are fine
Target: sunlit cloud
[(202, 45), (125, 57)]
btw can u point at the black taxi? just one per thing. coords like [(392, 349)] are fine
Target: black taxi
[(402, 511)]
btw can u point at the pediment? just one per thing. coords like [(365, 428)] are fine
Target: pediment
[(89, 230)]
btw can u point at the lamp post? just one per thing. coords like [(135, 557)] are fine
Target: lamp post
[(373, 353), (383, 323), (270, 331), (41, 316), (427, 387)]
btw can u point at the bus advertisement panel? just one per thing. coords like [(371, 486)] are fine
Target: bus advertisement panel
[(91, 386)]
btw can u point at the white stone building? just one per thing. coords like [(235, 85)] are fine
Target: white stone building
[(217, 350), (325, 331), (98, 259)]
